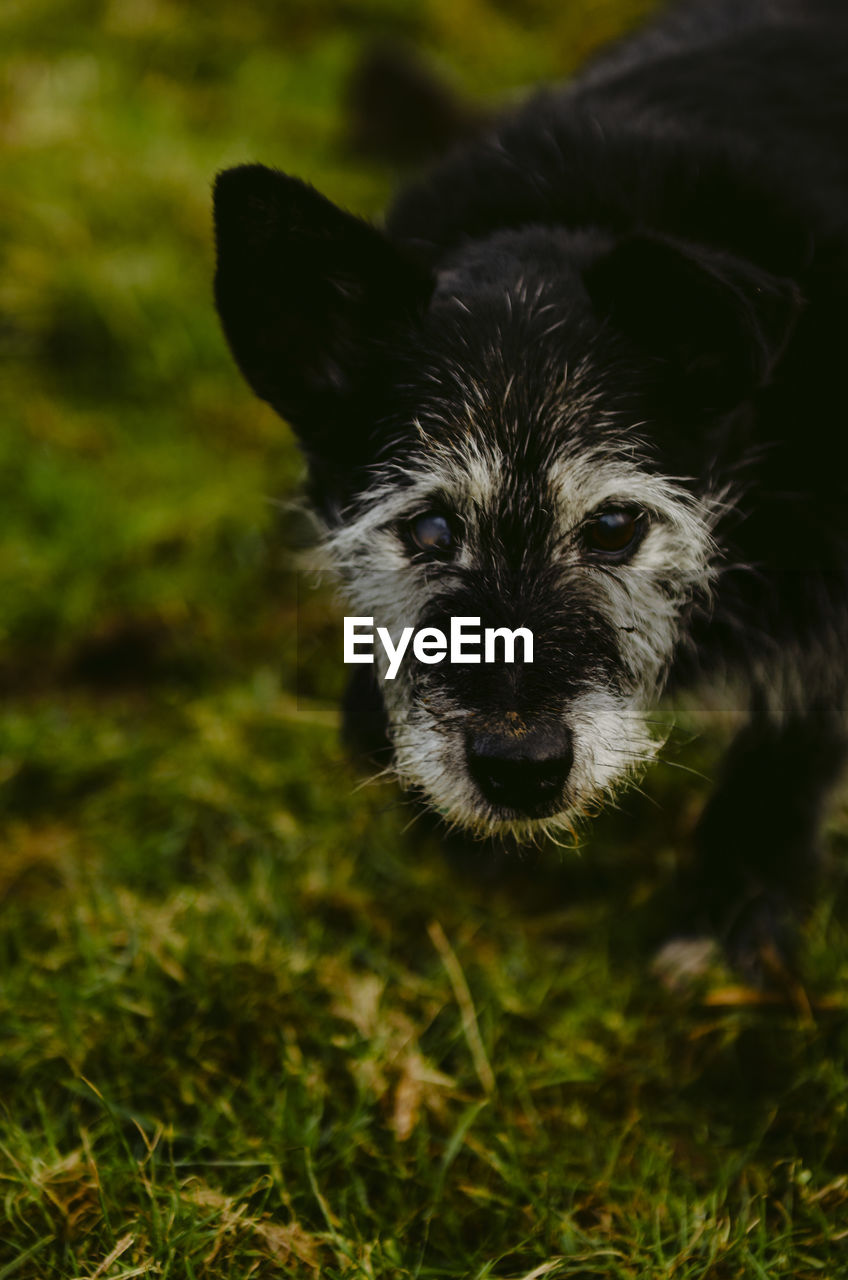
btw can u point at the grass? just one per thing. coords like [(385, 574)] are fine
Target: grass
[(252, 1023)]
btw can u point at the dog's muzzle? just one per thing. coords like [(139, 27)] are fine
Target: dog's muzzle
[(523, 772)]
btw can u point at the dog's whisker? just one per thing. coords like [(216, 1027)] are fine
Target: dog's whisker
[(696, 773)]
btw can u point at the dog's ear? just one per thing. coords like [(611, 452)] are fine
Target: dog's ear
[(721, 323), (305, 292)]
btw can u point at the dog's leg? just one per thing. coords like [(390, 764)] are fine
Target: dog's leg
[(757, 843), (364, 723)]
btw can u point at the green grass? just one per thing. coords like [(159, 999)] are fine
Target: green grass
[(252, 1022)]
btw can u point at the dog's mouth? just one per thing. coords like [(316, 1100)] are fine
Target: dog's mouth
[(516, 824)]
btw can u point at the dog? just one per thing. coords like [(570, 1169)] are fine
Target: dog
[(589, 380)]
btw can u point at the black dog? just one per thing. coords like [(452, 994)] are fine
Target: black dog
[(590, 380)]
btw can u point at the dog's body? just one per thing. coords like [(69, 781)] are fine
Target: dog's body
[(589, 381)]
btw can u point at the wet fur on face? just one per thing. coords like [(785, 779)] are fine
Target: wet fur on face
[(621, 303)]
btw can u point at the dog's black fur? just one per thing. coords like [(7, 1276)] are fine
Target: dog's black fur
[(673, 228)]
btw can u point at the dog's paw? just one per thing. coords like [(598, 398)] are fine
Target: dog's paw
[(760, 938), (683, 963)]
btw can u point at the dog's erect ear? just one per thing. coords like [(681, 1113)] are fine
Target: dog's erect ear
[(304, 290), (722, 323)]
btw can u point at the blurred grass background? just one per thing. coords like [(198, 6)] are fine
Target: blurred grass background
[(251, 1023)]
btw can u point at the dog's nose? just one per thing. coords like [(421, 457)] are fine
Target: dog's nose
[(526, 772)]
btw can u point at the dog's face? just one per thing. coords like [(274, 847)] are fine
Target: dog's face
[(493, 437)]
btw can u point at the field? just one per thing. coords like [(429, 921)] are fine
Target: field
[(254, 1019)]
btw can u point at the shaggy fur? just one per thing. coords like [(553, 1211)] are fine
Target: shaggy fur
[(625, 301)]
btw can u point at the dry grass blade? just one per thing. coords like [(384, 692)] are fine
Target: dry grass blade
[(466, 1005)]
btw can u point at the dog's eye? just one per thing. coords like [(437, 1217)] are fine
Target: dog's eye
[(431, 532), (613, 533)]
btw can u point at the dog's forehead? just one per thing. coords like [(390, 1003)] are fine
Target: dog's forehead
[(498, 426), (510, 396), (511, 360)]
